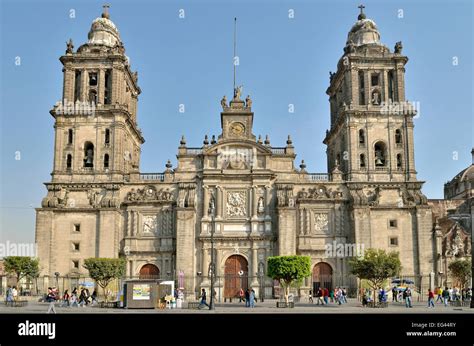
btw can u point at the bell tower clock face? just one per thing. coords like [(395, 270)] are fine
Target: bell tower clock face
[(237, 129)]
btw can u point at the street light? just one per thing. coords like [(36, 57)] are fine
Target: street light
[(457, 217), (212, 268), (260, 273)]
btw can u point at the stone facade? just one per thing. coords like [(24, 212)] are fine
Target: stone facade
[(249, 192)]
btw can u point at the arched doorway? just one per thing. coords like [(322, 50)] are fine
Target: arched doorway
[(149, 271), (236, 276), (322, 276)]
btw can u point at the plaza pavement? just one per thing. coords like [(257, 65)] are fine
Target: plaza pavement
[(268, 306)]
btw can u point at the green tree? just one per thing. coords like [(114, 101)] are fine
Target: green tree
[(288, 270), (22, 266), (376, 266), (461, 271), (104, 270)]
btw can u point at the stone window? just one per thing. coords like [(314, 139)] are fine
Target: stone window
[(392, 223), (107, 137), (361, 137), (393, 241), (398, 137), (77, 227), (390, 83), (374, 79), (75, 264), (76, 246), (362, 161), (399, 161), (88, 154), (93, 79), (69, 136), (380, 154), (69, 161), (106, 161)]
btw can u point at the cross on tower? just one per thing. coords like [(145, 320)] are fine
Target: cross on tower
[(106, 7), (361, 9)]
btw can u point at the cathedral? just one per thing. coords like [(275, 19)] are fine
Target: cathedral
[(242, 193)]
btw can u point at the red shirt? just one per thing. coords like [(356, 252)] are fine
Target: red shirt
[(430, 294)]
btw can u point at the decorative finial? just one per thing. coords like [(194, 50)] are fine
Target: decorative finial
[(260, 141), (182, 142), (206, 140), (302, 165), (213, 139), (106, 14), (267, 140), (168, 165), (472, 154), (248, 102), (289, 142), (362, 14)]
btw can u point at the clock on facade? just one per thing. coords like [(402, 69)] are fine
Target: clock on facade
[(237, 128)]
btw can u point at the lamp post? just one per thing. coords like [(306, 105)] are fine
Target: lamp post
[(262, 283), (468, 217), (212, 264)]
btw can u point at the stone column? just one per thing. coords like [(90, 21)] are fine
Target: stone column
[(205, 262), (84, 85), (205, 191), (308, 221), (254, 266), (268, 197), (219, 202), (254, 201), (302, 223), (101, 87)]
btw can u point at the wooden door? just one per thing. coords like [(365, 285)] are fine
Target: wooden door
[(236, 276)]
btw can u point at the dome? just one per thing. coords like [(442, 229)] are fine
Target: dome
[(364, 31), (104, 32)]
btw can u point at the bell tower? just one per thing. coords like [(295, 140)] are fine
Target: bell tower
[(96, 133), (371, 134)]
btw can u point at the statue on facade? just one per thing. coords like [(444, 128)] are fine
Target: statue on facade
[(237, 92), (331, 75), (212, 205), (70, 47), (375, 98), (260, 206), (224, 102), (248, 101), (398, 47)]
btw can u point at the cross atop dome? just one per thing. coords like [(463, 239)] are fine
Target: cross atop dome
[(105, 13), (361, 14)]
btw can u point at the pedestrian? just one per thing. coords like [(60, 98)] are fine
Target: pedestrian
[(344, 295), (9, 294), (439, 292), (332, 294), (407, 296), (65, 299), (94, 298), (252, 298), (431, 303), (82, 298), (310, 296), (51, 298), (73, 300), (338, 295), (445, 296), (394, 294), (203, 299), (241, 295), (247, 298), (320, 296), (15, 293), (326, 296)]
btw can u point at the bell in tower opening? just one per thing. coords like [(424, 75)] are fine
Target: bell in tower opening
[(89, 154)]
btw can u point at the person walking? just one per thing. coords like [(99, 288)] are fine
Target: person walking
[(310, 296), (241, 295), (82, 298), (326, 296), (94, 297), (65, 299), (252, 298), (333, 294), (407, 295), (320, 296), (431, 303), (51, 298), (439, 293), (344, 295), (14, 293), (394, 294), (445, 296), (9, 295), (247, 298), (203, 299)]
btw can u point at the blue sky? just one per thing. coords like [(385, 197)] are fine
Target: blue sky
[(189, 61)]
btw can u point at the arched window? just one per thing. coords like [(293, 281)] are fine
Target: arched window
[(362, 161), (106, 161), (361, 88), (88, 154), (398, 136), (69, 161), (399, 161), (69, 136), (107, 136), (361, 137), (380, 154)]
